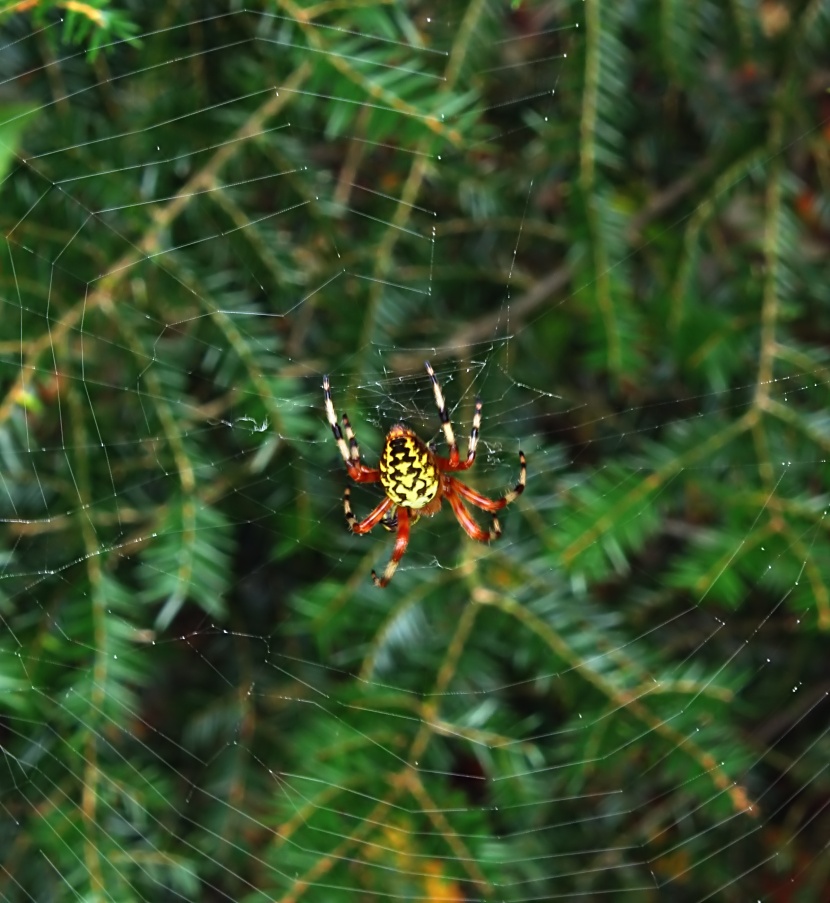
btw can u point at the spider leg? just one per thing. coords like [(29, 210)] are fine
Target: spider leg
[(332, 419), (401, 542), (371, 520), (354, 448), (493, 505), (471, 448), (454, 462), (447, 463), (466, 520), (449, 435), (350, 453)]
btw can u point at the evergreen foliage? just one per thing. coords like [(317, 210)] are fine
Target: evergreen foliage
[(203, 696)]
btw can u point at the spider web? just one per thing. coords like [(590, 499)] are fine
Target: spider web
[(203, 696)]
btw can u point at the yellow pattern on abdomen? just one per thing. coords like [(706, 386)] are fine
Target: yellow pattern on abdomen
[(407, 469)]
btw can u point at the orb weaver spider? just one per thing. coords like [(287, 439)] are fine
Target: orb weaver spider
[(415, 479)]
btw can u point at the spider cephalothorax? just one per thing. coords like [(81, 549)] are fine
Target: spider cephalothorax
[(415, 479)]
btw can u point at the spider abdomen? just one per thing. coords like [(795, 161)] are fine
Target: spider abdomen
[(407, 469)]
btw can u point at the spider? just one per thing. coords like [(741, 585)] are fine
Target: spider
[(416, 479)]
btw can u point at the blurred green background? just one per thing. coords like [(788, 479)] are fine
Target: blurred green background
[(610, 220)]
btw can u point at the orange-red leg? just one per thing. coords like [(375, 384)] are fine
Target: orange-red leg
[(492, 505), (350, 453), (453, 462), (476, 498), (358, 471), (401, 542), (470, 526), (371, 520), (363, 474)]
